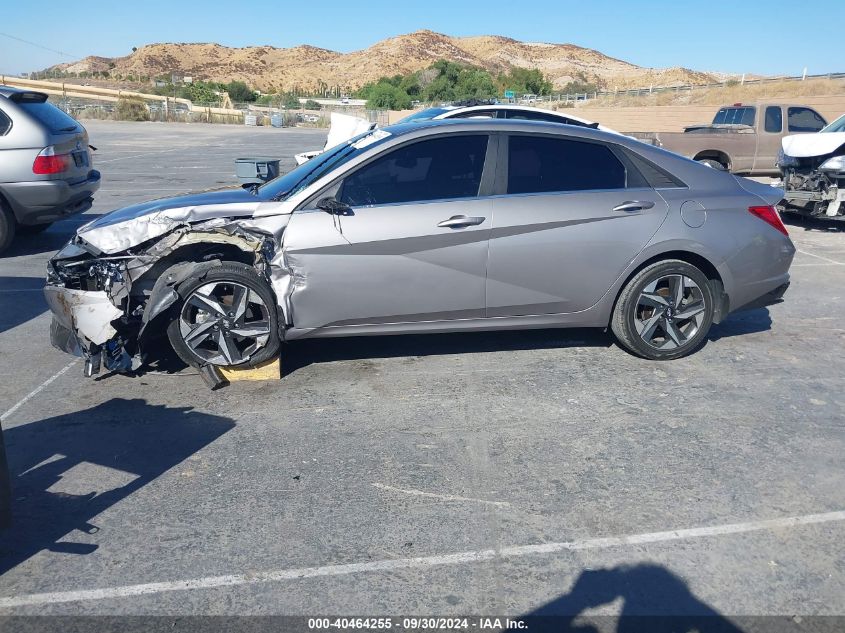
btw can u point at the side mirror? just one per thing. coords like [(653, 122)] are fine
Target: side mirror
[(334, 206)]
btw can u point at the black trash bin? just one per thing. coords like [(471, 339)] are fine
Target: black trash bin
[(252, 171)]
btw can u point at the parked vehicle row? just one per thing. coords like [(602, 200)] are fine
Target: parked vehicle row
[(743, 138)]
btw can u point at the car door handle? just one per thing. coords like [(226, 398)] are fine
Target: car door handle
[(460, 221), (632, 206)]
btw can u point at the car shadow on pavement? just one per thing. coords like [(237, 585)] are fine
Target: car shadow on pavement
[(21, 299), (300, 354), (813, 224), (66, 470), (741, 323), (652, 598)]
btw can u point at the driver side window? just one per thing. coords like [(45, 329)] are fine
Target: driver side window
[(437, 169)]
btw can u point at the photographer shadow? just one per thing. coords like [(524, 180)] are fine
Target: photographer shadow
[(653, 600)]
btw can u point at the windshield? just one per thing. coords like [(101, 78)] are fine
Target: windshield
[(299, 178), (424, 115), (837, 126)]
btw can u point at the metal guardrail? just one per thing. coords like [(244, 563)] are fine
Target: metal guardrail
[(639, 92)]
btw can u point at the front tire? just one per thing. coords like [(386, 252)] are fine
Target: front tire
[(8, 226), (226, 317), (665, 311)]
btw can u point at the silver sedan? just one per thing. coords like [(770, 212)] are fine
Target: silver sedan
[(428, 227)]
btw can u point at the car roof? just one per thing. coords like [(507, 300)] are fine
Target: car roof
[(498, 125), (511, 106)]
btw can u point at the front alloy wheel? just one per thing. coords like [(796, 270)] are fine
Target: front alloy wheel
[(665, 311), (224, 323), (227, 318)]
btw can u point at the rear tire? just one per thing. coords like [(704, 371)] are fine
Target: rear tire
[(8, 225), (33, 229), (665, 311), (226, 317)]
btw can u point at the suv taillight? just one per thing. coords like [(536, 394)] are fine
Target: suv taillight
[(770, 216), (48, 162)]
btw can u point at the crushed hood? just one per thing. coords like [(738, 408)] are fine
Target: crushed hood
[(809, 145), (122, 229)]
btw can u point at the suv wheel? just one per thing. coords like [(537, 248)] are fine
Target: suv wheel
[(665, 311), (7, 227), (226, 317)]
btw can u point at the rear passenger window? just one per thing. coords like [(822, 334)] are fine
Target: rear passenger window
[(540, 164), (774, 119), (5, 123), (804, 120), (437, 169)]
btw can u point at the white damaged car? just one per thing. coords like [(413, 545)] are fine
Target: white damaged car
[(813, 171)]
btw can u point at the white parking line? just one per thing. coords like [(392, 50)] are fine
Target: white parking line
[(424, 562), (37, 390), (832, 261), (432, 495), (164, 151)]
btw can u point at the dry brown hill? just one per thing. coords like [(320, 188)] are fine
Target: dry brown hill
[(309, 68)]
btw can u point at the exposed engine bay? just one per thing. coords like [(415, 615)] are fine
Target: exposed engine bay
[(813, 170)]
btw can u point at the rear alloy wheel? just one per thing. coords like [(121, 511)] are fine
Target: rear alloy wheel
[(226, 318), (665, 311)]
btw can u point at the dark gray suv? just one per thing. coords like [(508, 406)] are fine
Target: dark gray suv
[(45, 164)]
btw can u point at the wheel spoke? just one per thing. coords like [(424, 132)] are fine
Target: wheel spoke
[(199, 333), (252, 329), (653, 300), (228, 348), (678, 287), (646, 328), (673, 332), (206, 302), (690, 311), (240, 302)]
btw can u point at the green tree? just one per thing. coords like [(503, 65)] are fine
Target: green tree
[(384, 96), (240, 92)]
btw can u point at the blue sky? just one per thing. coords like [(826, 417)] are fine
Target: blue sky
[(775, 37)]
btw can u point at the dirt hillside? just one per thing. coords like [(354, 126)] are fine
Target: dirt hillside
[(309, 68)]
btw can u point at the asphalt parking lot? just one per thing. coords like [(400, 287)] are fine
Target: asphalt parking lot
[(500, 473)]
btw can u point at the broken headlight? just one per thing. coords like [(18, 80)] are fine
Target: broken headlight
[(833, 165)]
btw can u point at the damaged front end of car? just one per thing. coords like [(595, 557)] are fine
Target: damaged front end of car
[(812, 167), (112, 283)]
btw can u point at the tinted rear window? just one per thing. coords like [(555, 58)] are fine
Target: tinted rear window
[(50, 116), (804, 120), (735, 116), (544, 164)]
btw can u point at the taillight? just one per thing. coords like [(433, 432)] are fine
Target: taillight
[(48, 162), (770, 216)]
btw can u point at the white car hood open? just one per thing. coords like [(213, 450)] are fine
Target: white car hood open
[(343, 128), (809, 145)]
